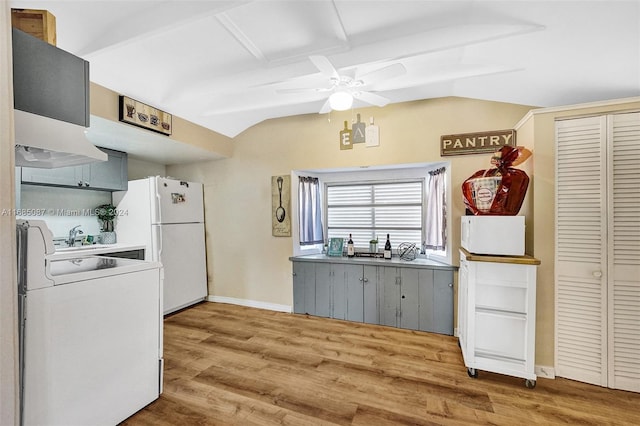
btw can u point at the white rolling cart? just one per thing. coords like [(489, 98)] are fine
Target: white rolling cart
[(497, 314)]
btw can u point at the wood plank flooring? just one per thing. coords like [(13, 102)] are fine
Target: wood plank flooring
[(232, 365)]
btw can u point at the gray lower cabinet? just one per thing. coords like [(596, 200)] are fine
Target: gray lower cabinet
[(348, 292), (418, 299), (324, 273), (371, 293), (335, 288), (304, 288), (412, 298), (110, 175)]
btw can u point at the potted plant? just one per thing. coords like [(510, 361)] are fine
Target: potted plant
[(373, 245), (106, 214)]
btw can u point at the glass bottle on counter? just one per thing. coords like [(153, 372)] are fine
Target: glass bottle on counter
[(350, 249), (387, 248)]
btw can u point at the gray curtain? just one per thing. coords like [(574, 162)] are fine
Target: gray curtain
[(310, 211), (436, 238)]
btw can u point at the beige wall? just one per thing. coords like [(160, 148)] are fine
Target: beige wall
[(104, 103), (244, 260), (538, 130), (140, 169)]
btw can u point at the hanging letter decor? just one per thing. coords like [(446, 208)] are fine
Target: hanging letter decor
[(345, 137)]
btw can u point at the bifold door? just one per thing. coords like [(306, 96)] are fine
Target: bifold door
[(598, 250)]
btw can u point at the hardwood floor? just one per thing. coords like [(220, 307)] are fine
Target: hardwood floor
[(227, 364)]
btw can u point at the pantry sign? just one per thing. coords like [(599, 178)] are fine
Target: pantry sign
[(474, 143)]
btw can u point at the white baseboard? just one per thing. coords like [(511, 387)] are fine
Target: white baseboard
[(545, 371), (250, 303)]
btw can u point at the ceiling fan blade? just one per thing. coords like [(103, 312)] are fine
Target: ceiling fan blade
[(371, 98), (302, 90), (325, 108), (385, 73), (323, 64)]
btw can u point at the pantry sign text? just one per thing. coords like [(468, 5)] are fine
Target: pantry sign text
[(473, 143)]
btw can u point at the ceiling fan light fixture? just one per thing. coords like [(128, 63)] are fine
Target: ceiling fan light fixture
[(340, 101)]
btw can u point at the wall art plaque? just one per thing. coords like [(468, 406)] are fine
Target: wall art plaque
[(474, 143), (143, 115)]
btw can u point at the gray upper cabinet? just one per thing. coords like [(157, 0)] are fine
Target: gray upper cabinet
[(49, 81), (61, 176), (110, 175), (107, 175)]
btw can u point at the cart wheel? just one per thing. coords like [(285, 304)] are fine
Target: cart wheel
[(530, 384), (472, 372)]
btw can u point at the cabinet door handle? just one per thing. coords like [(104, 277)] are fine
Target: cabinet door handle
[(79, 183), (597, 274), (366, 280), (360, 279), (86, 184), (403, 296), (450, 284), (294, 274)]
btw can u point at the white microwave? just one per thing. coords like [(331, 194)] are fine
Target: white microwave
[(499, 235)]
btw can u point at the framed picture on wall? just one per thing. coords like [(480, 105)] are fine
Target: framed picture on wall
[(142, 115), (281, 206)]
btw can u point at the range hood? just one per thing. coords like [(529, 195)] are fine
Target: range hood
[(44, 142)]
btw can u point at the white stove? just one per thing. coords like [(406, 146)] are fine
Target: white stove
[(90, 334)]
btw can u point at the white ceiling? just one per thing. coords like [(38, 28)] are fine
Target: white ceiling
[(220, 63)]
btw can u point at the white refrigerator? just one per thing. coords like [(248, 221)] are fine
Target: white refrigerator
[(167, 215)]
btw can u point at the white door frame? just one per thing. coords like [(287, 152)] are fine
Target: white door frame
[(8, 285)]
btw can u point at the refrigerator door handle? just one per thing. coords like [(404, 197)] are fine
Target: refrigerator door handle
[(157, 235), (158, 206), (22, 313)]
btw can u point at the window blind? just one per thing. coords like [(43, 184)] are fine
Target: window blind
[(371, 210)]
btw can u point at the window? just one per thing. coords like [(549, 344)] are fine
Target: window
[(371, 210), (407, 201)]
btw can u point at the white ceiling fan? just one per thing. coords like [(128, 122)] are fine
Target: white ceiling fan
[(343, 88)]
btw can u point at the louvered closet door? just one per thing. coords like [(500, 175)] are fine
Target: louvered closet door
[(624, 251), (581, 249)]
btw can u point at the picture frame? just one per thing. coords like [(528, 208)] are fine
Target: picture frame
[(281, 206), (142, 115), (335, 247)]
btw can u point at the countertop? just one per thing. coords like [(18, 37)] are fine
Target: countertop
[(91, 250), (520, 260), (395, 261)]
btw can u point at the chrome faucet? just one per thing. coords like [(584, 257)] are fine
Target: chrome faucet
[(72, 235)]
